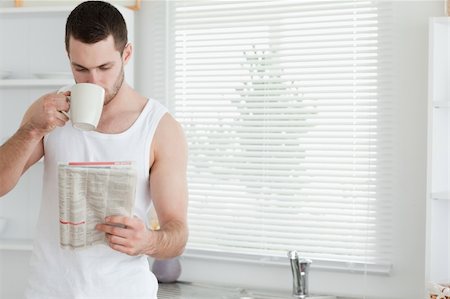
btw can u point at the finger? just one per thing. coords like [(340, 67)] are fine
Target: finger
[(63, 116), (56, 120), (121, 245), (119, 219), (60, 123), (112, 230), (61, 103), (117, 240)]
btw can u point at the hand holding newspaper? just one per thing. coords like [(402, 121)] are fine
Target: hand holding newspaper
[(88, 192)]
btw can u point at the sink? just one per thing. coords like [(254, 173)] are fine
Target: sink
[(250, 294), (189, 290)]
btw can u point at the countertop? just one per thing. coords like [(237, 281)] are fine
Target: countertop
[(188, 290)]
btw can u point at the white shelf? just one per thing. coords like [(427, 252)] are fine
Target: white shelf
[(441, 20), (440, 195), (34, 82), (44, 8), (35, 9), (441, 104), (16, 244)]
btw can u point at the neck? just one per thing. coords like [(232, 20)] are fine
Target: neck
[(119, 97), (121, 111)]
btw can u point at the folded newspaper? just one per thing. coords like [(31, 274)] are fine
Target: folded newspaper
[(88, 192), (438, 291)]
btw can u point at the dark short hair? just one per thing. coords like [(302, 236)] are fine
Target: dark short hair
[(93, 21)]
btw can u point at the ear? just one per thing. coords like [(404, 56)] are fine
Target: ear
[(127, 52)]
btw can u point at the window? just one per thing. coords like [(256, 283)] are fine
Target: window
[(285, 108)]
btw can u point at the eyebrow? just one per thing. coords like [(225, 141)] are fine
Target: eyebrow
[(99, 66)]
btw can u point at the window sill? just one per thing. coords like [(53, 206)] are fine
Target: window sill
[(327, 265)]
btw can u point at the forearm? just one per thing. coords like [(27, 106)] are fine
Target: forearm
[(14, 155), (169, 241)]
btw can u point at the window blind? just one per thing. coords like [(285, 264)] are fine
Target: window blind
[(285, 105)]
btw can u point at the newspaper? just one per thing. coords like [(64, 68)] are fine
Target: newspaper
[(88, 192), (438, 291)]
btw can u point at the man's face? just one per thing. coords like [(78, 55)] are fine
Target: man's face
[(98, 63)]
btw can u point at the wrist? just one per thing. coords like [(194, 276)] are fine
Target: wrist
[(150, 241), (30, 132), (167, 242)]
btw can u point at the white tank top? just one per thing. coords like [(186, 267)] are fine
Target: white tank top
[(98, 271)]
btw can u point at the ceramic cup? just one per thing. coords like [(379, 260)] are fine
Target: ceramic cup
[(86, 105)]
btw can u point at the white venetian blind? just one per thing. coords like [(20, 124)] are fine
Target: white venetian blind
[(286, 111)]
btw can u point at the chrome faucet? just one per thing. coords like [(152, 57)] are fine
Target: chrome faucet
[(300, 273)]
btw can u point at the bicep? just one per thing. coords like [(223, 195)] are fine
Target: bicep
[(168, 183)]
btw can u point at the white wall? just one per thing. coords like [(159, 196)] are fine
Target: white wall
[(13, 273), (150, 48), (410, 38)]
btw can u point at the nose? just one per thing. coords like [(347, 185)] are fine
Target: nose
[(93, 77)]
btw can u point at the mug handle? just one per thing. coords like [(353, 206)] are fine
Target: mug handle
[(65, 113), (61, 90)]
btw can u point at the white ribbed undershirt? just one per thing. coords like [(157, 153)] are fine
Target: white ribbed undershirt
[(98, 271)]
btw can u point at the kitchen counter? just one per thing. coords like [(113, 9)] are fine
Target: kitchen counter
[(187, 290)]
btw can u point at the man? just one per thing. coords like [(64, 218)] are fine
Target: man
[(131, 128)]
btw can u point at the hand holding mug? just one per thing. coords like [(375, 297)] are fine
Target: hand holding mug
[(44, 115), (86, 105)]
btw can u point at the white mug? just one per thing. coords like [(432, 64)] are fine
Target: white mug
[(86, 105)]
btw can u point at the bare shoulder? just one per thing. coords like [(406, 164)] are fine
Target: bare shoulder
[(169, 140), (169, 124), (169, 130)]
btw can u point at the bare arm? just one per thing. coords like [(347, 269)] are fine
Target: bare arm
[(169, 190), (15, 156), (25, 147), (169, 193)]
